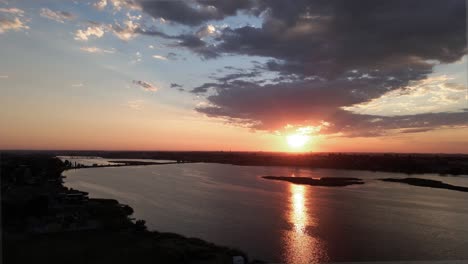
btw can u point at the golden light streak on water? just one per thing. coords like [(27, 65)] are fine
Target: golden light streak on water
[(300, 247)]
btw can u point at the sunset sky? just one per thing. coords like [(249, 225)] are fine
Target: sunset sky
[(354, 76)]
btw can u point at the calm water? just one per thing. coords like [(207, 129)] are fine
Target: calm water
[(283, 222)]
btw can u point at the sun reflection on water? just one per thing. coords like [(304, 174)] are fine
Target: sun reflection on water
[(300, 247), (298, 214)]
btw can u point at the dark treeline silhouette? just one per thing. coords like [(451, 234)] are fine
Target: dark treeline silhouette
[(444, 164)]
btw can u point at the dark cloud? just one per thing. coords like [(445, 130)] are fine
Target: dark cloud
[(330, 37), (325, 55), (176, 85), (189, 41), (333, 54), (153, 32), (145, 85), (302, 103), (205, 87), (238, 75), (300, 106), (193, 12), (355, 125), (172, 56), (273, 106), (326, 37), (197, 45)]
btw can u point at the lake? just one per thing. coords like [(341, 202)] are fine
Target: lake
[(283, 222)]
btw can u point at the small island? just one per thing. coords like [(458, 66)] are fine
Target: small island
[(427, 183), (325, 181)]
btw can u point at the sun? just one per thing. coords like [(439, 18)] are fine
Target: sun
[(297, 140)]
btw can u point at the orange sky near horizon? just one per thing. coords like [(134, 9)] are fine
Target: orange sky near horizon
[(137, 131)]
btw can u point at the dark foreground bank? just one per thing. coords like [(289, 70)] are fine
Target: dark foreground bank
[(45, 222)]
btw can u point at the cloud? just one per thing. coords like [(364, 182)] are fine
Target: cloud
[(93, 30), (206, 31), (159, 57), (189, 41), (145, 86), (97, 50), (137, 57), (330, 55), (126, 31), (59, 16), (322, 59), (176, 85), (7, 24), (196, 45), (101, 4), (3, 76), (117, 4), (435, 93), (12, 11), (135, 104), (194, 12), (397, 33), (270, 107), (365, 125), (172, 56), (77, 85), (128, 4)]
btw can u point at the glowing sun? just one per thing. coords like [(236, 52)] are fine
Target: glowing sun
[(297, 140)]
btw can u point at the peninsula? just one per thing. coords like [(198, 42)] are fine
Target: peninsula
[(427, 183)]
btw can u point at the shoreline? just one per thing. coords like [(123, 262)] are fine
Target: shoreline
[(442, 164), (40, 214)]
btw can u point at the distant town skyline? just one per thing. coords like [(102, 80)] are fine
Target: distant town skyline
[(246, 75)]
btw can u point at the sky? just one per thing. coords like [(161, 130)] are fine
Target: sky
[(239, 75)]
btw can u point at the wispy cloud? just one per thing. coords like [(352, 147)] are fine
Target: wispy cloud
[(59, 16), (97, 50), (13, 11), (159, 57), (77, 85), (136, 58), (3, 76), (15, 24), (135, 104), (145, 86)]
